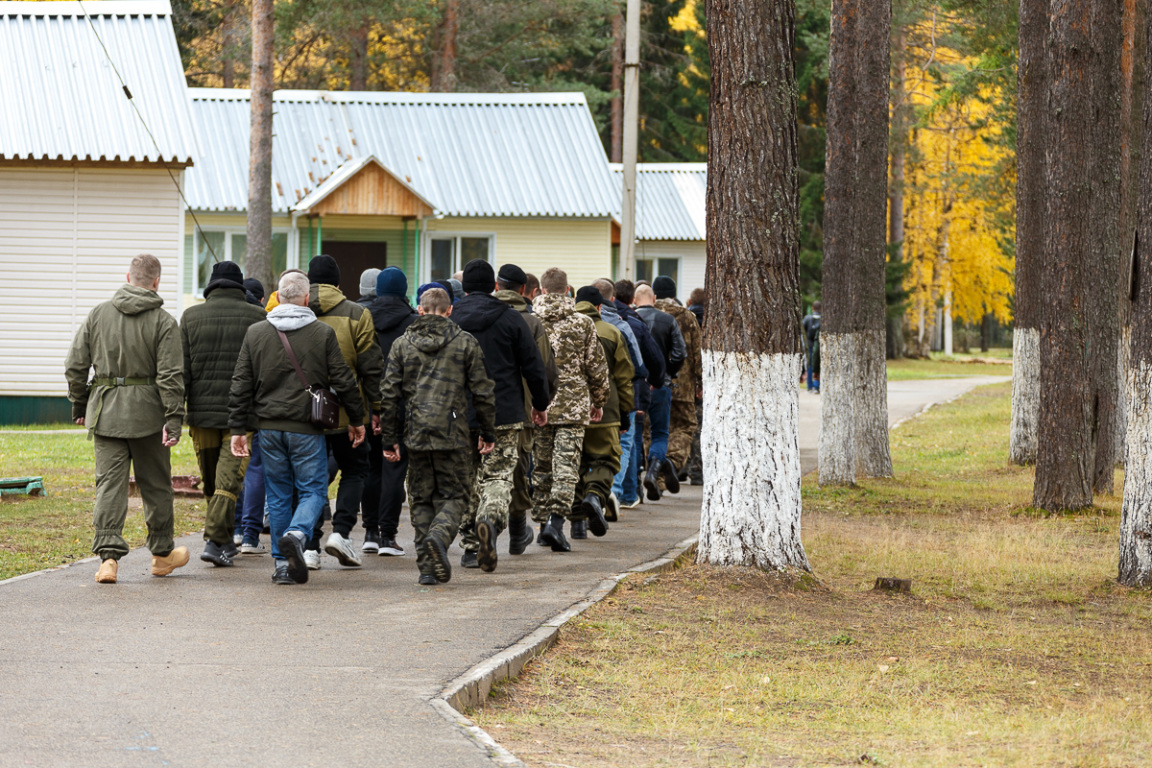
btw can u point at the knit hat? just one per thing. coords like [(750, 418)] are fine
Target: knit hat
[(391, 282), (368, 282), (590, 294), (457, 288), (479, 277), (442, 285), (227, 270), (510, 273), (254, 287), (664, 287), (324, 270)]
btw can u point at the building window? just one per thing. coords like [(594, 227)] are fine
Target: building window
[(668, 267), (447, 254), (210, 246)]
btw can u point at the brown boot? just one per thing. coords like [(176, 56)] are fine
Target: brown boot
[(162, 566), (107, 572)]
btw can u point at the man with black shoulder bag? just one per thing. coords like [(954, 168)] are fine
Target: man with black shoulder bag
[(268, 387)]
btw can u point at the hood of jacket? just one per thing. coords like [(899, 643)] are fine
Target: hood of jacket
[(589, 309), (291, 317), (514, 300), (222, 283), (431, 333), (389, 311), (609, 308), (323, 298), (132, 300), (550, 307), (477, 312)]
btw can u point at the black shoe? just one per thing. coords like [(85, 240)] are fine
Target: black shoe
[(231, 550), (579, 529), (671, 481), (281, 576), (540, 538), (591, 507), (469, 560), (519, 536), (293, 549), (438, 554), (650, 484), (487, 557), (427, 580), (553, 534), (214, 553)]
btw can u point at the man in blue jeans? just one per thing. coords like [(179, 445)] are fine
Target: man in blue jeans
[(666, 333), (295, 454)]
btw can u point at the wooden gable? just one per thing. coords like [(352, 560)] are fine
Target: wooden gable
[(373, 191)]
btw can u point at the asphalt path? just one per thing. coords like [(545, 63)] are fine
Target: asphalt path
[(219, 667)]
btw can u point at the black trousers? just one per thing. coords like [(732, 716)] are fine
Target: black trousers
[(384, 490), (353, 464)]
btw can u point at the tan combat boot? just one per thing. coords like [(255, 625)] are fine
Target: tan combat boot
[(107, 572), (162, 566)]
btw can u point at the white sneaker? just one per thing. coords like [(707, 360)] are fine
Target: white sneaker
[(312, 559), (614, 504), (237, 539), (342, 549), (250, 548)]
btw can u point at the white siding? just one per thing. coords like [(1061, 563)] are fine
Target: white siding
[(66, 238), (692, 256)]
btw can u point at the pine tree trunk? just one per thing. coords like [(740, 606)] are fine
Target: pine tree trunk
[(853, 383), (258, 261), (1136, 514), (1031, 199), (897, 151), (752, 355), (444, 73), (358, 57), (227, 44), (1079, 316), (617, 103)]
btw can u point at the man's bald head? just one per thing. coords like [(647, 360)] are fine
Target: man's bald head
[(645, 296)]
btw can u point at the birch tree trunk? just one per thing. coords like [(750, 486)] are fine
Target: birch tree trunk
[(752, 354), (853, 382), (258, 259)]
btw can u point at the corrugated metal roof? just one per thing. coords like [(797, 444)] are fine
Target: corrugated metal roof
[(670, 200), (60, 98), (472, 154)]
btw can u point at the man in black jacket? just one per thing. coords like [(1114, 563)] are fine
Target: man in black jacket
[(510, 358), (212, 334), (267, 389), (384, 491), (667, 335)]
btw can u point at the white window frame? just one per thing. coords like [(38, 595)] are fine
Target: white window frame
[(197, 289), (656, 258), (426, 249)]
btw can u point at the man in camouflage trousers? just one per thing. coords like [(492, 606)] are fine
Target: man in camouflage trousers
[(431, 369), (689, 381), (582, 392)]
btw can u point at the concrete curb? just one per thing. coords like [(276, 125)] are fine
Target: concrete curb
[(472, 688)]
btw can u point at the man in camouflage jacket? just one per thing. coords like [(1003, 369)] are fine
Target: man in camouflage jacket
[(689, 381), (582, 391)]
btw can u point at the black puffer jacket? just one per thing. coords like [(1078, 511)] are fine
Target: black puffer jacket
[(212, 334), (391, 316), (509, 353)]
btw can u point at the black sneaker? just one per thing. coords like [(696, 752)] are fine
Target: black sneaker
[(579, 529), (214, 553), (553, 534), (591, 507), (281, 575), (486, 556), (389, 548), (371, 543), (671, 481), (293, 550), (469, 559), (231, 550), (427, 580), (436, 552), (650, 484)]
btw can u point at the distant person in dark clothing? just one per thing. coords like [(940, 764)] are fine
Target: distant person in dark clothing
[(811, 326), (254, 291), (696, 304)]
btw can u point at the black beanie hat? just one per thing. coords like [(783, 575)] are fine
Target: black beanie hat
[(324, 270), (664, 287), (227, 270), (254, 287), (479, 277), (510, 273), (591, 294)]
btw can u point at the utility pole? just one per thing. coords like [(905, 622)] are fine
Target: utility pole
[(631, 138)]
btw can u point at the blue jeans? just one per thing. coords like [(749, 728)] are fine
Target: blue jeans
[(812, 385), (250, 503), (625, 491), (294, 461), (659, 415)]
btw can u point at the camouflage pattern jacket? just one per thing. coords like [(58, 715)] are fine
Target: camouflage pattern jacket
[(582, 381), (431, 369), (691, 375)]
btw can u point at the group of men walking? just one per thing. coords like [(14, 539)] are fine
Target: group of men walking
[(497, 397)]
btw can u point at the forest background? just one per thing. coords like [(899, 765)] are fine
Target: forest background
[(953, 110)]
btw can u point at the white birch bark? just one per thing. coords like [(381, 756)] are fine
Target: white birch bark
[(1136, 514), (853, 408), (1025, 395), (1123, 362), (751, 450)]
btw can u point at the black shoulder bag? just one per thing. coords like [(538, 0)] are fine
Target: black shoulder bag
[(325, 410)]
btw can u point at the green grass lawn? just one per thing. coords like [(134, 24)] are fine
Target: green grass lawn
[(996, 362), (1016, 647)]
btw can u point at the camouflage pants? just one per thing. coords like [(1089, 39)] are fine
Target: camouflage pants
[(599, 463), (681, 433), (437, 497), (522, 478), (695, 460), (223, 476), (492, 486), (557, 455)]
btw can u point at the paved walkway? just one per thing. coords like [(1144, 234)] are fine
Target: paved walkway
[(219, 667)]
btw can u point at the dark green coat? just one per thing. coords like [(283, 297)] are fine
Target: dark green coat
[(357, 337), (620, 368), (433, 367), (212, 334), (129, 337)]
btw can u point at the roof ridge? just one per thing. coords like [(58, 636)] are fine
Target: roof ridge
[(95, 8), (567, 98)]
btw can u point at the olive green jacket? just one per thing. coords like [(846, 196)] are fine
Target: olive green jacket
[(357, 336), (620, 369), (132, 344)]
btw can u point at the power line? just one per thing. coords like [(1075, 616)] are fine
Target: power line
[(159, 152)]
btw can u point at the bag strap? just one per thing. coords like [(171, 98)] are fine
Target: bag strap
[(292, 357)]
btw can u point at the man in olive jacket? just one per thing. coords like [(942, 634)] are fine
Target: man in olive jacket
[(133, 408), (212, 334), (266, 387)]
